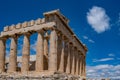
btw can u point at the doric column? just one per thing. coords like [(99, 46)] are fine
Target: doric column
[(53, 51), (71, 57), (73, 60), (13, 55), (65, 53), (59, 50), (61, 68), (46, 38), (2, 54), (26, 53), (46, 44), (68, 59), (40, 52), (77, 63), (81, 62), (84, 66)]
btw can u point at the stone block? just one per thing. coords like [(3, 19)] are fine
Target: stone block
[(19, 25), (43, 20), (25, 24), (38, 21), (32, 22), (11, 27), (6, 28)]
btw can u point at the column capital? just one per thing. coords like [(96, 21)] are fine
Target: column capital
[(3, 38), (41, 31), (46, 35), (27, 34)]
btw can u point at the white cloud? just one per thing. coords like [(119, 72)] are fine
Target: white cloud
[(111, 54), (106, 71), (85, 37), (98, 19), (103, 59), (89, 40)]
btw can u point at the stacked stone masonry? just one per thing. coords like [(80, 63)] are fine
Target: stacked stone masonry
[(58, 49)]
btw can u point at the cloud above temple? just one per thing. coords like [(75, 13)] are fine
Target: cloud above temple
[(103, 59), (88, 39), (107, 71), (98, 19)]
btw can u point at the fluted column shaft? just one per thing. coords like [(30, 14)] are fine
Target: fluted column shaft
[(46, 45), (59, 50), (13, 55), (2, 55), (46, 52), (25, 53), (77, 63), (40, 52), (61, 68), (68, 60), (73, 60), (53, 51), (80, 65), (84, 66)]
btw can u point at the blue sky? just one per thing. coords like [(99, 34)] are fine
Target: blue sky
[(95, 22)]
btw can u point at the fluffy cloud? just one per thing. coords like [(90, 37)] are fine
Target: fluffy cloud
[(103, 59), (111, 55), (85, 37), (98, 19), (107, 71), (90, 40)]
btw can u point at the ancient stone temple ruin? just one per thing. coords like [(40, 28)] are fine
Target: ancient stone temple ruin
[(58, 50)]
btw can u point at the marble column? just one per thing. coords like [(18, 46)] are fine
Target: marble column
[(25, 53), (40, 52), (77, 63), (53, 51), (68, 59), (73, 60), (71, 57), (81, 67), (61, 68), (65, 53), (2, 55), (46, 50), (46, 44), (13, 55), (84, 66), (59, 50)]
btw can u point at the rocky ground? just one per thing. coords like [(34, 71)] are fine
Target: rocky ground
[(41, 77)]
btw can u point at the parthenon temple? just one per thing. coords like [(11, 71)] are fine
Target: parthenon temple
[(58, 49)]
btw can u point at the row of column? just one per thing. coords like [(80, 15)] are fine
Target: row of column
[(63, 57), (26, 52), (70, 60)]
